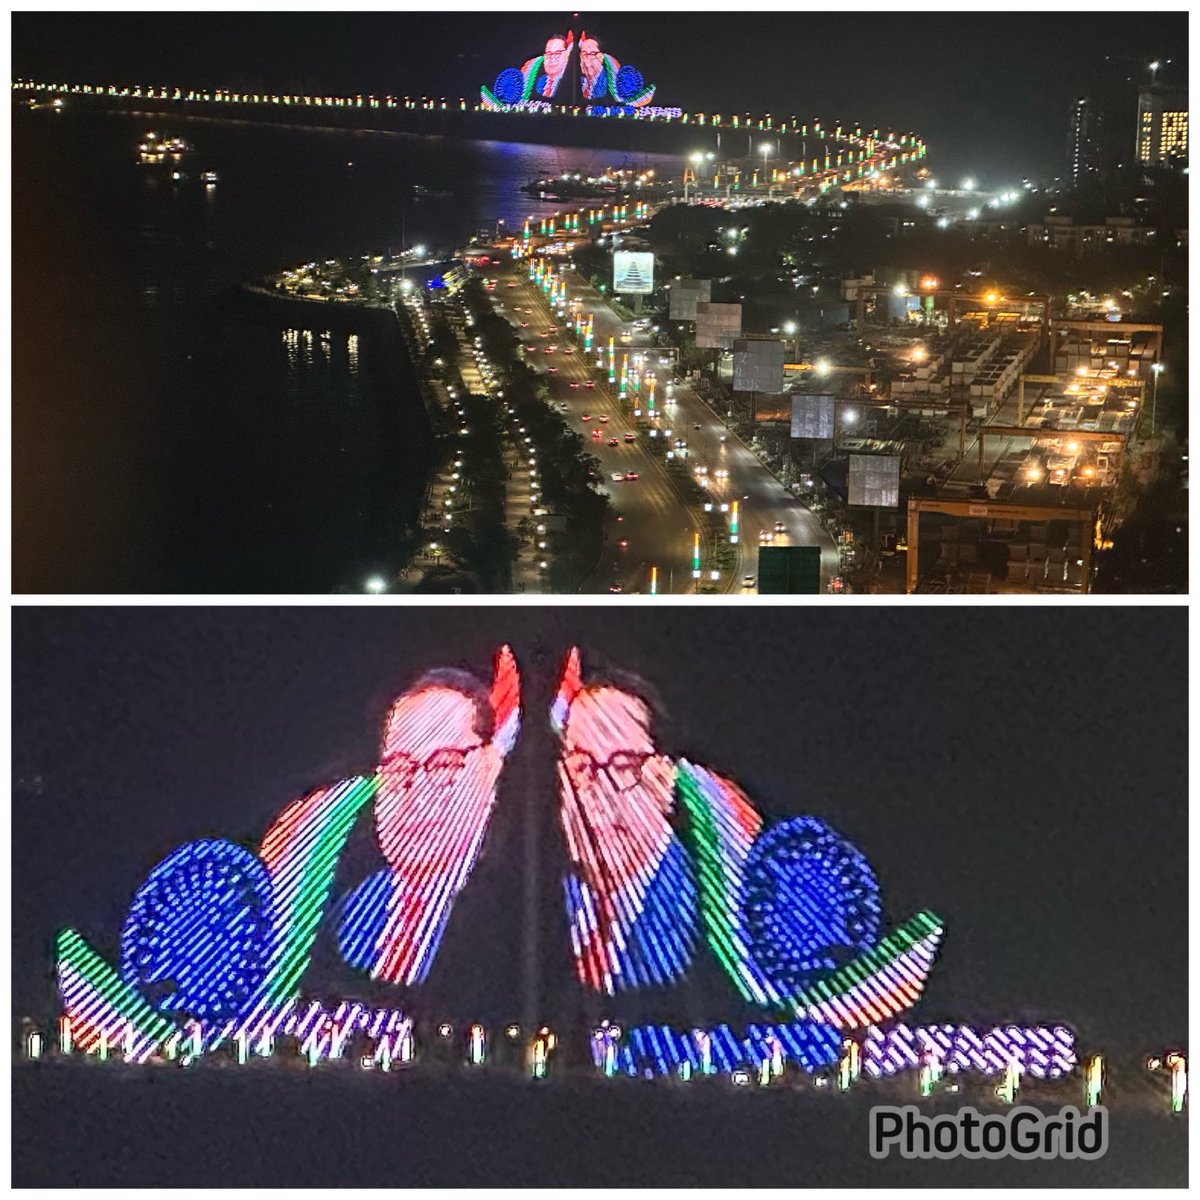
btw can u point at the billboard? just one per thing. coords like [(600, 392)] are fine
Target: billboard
[(758, 365), (717, 325), (633, 273), (874, 480), (812, 415), (686, 294), (789, 570)]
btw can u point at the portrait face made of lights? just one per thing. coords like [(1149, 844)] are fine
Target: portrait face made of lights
[(664, 853), (444, 747), (668, 860)]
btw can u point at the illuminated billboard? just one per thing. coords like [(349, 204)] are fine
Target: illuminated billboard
[(812, 415), (874, 480), (633, 273)]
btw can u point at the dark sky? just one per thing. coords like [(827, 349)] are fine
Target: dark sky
[(1021, 772), (991, 93)]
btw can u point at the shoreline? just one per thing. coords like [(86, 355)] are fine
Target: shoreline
[(404, 403)]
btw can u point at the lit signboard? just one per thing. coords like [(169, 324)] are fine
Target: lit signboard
[(812, 415), (633, 273), (874, 480)]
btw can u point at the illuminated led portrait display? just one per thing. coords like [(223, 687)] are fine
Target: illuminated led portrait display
[(443, 749), (669, 863), (537, 79), (662, 849), (606, 87), (603, 79)]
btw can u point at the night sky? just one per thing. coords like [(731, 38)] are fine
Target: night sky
[(991, 93), (1021, 772)]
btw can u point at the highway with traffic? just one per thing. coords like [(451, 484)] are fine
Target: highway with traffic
[(653, 526)]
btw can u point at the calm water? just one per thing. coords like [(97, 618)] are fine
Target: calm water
[(162, 442)]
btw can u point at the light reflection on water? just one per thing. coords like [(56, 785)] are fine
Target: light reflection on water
[(163, 441)]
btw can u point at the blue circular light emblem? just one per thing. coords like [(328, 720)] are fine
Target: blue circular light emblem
[(629, 82), (811, 903), (510, 86), (198, 933)]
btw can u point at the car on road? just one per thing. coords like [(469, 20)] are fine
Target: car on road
[(613, 442), (697, 425), (748, 581), (624, 543), (596, 435), (524, 324), (722, 473), (591, 383), (631, 437), (631, 476), (574, 386), (551, 370), (549, 349), (602, 417), (619, 516), (511, 283), (615, 588), (680, 444), (587, 417), (780, 527), (765, 535), (569, 350), (618, 477)]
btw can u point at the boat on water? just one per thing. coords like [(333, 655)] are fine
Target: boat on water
[(156, 149), (610, 183), (420, 192)]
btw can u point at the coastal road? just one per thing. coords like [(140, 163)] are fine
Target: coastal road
[(656, 524), (731, 469)]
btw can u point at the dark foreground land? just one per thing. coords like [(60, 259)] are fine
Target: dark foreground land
[(80, 1126)]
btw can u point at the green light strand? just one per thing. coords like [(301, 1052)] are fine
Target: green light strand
[(74, 953)]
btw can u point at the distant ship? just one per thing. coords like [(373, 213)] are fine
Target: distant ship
[(421, 192), (154, 149)]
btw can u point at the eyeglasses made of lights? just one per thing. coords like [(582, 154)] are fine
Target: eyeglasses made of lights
[(441, 767), (623, 770)]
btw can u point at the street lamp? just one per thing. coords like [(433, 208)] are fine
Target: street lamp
[(1158, 369)]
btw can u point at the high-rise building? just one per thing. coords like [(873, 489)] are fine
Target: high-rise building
[(1162, 127), (1087, 128)]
